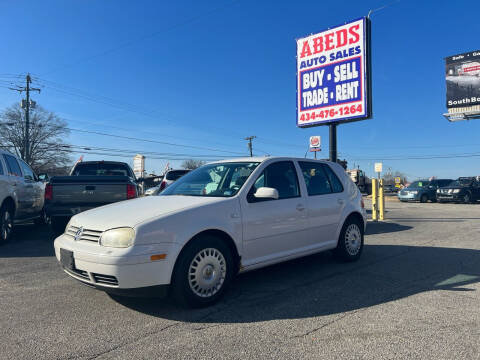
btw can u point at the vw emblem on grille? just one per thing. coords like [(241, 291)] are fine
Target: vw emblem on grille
[(78, 234)]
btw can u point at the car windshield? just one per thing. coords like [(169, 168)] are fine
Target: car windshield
[(216, 180), (461, 182), (175, 174), (419, 184)]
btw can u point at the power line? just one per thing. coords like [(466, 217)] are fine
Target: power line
[(156, 141)]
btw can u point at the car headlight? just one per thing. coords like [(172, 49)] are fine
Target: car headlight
[(118, 238), (456, 191), (414, 192), (438, 191)]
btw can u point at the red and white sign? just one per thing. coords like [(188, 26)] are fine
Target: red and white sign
[(332, 75), (315, 141)]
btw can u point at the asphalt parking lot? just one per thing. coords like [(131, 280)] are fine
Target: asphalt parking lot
[(415, 293)]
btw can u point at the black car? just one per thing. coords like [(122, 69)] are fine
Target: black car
[(464, 189)]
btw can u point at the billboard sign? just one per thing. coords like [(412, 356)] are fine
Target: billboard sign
[(333, 75), (463, 80), (139, 165), (378, 167)]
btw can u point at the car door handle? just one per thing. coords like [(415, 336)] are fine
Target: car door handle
[(300, 207), (341, 201)]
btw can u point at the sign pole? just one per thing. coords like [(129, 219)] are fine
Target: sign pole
[(333, 142)]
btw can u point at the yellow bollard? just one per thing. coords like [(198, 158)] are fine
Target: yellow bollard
[(381, 201), (374, 200)]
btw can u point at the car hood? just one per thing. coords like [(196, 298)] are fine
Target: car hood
[(413, 189), (453, 187), (133, 212)]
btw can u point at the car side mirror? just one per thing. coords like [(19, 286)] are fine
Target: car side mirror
[(43, 177), (266, 193)]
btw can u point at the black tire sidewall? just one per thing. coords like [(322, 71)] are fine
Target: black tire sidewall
[(180, 285), (340, 251), (467, 198), (424, 199), (4, 209)]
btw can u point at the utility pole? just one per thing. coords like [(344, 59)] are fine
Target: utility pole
[(249, 139), (26, 105), (333, 142)]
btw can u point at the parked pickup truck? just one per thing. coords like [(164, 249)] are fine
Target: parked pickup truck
[(91, 184)]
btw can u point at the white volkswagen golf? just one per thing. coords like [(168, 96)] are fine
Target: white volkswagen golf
[(221, 219)]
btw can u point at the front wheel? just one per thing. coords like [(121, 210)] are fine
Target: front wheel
[(203, 272), (350, 242), (6, 224), (467, 199), (424, 198)]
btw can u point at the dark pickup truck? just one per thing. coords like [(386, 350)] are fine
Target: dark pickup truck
[(90, 184)]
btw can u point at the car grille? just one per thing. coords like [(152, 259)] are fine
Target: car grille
[(87, 234), (105, 279)]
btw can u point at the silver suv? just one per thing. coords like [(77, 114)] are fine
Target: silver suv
[(21, 194)]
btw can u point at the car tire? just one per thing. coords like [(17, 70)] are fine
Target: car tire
[(6, 223), (423, 198), (58, 224), (42, 220), (350, 241), (467, 198), (203, 272)]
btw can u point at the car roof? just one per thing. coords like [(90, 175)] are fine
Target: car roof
[(102, 162), (261, 159)]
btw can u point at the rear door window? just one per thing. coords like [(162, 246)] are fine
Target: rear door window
[(316, 179), (12, 165), (335, 183)]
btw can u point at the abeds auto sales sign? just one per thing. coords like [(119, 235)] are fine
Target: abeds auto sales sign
[(332, 77)]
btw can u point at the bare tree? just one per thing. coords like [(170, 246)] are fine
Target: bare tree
[(47, 132), (192, 164)]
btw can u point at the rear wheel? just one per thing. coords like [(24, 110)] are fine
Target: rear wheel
[(203, 272), (350, 242), (6, 223)]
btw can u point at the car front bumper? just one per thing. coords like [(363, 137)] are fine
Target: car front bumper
[(119, 271), (408, 197)]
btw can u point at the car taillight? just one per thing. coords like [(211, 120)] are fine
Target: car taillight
[(163, 185), (131, 191), (48, 192)]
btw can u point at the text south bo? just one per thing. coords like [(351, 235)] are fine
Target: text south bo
[(331, 77)]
